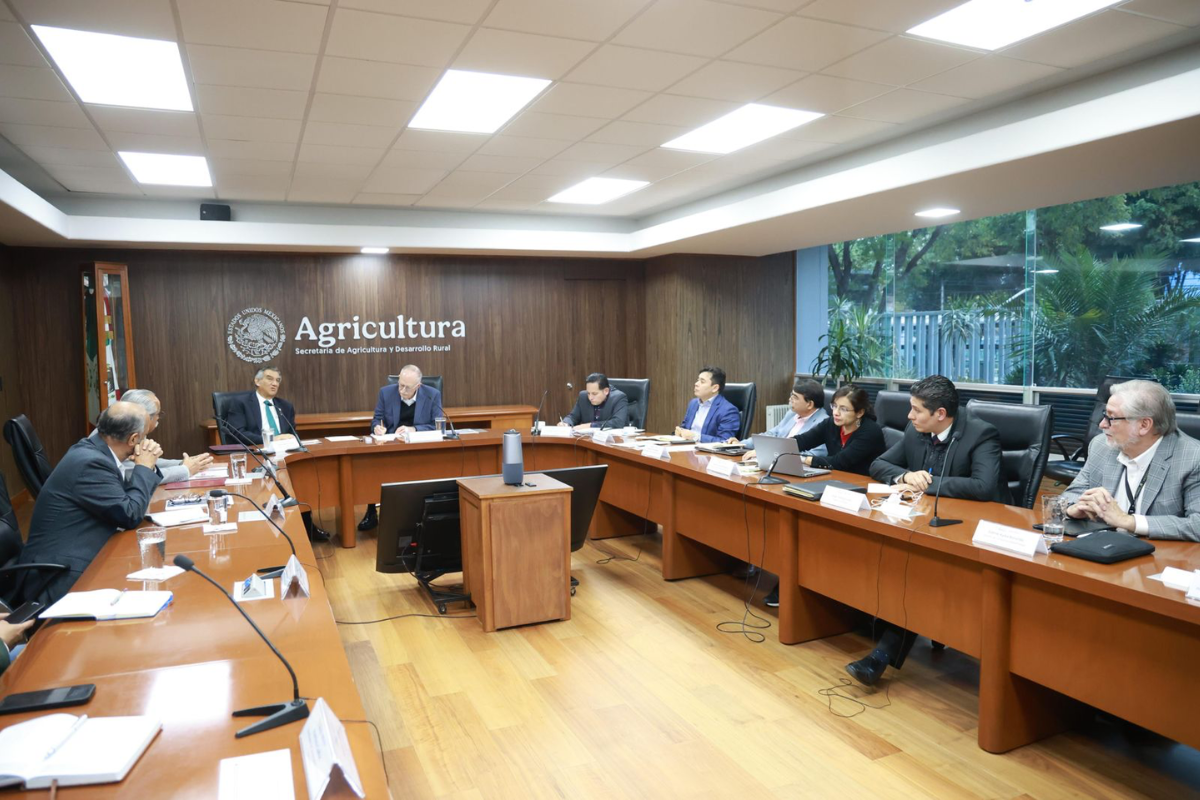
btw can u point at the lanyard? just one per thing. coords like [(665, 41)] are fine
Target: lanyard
[(1130, 494)]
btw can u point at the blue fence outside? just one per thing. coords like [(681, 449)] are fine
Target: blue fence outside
[(978, 348)]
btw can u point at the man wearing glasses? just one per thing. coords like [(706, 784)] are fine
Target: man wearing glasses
[(1144, 475)]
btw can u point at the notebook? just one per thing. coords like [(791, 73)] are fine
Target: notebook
[(814, 489), (188, 515), (106, 604), (75, 751)]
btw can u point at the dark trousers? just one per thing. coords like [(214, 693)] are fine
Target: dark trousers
[(895, 643)]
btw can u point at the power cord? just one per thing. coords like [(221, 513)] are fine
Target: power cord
[(748, 629), (379, 740), (403, 616)]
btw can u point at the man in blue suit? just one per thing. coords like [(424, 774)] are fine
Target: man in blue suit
[(403, 408), (710, 417)]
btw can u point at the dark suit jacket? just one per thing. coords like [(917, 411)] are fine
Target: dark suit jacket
[(615, 408), (245, 416), (863, 446), (975, 469), (387, 408), (722, 422), (83, 503)]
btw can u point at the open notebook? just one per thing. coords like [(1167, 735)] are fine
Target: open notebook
[(75, 751), (108, 604)]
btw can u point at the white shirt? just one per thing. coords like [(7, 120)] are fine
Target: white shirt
[(702, 415), (1135, 470), (795, 431), (408, 402), (944, 435), (262, 413), (114, 455)]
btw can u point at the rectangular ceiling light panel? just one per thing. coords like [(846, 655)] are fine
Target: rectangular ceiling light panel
[(992, 24), (475, 102), (750, 124), (161, 169)]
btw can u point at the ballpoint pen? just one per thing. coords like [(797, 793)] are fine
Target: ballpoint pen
[(117, 599)]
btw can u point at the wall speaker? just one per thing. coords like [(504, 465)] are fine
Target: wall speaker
[(215, 211)]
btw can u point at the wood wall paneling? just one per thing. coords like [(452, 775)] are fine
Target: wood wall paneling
[(10, 377)]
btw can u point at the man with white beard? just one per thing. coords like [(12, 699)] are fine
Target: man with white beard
[(1144, 476)]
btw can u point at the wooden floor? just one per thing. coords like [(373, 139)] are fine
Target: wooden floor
[(639, 695)]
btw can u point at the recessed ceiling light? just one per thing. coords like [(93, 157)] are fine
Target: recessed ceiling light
[(475, 102), (1121, 226), (748, 125), (1045, 272), (1191, 241), (595, 191), (167, 170), (992, 24), (934, 213), (119, 70), (374, 251)]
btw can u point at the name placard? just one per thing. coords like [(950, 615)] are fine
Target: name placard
[(418, 437), (1003, 537), (721, 466), (602, 436), (894, 508), (325, 751), (293, 581), (654, 451), (558, 431), (843, 499)]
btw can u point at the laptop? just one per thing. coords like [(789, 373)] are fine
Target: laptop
[(783, 452)]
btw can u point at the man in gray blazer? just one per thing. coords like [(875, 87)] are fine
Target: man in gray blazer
[(170, 469), (598, 406), (85, 501), (1143, 476)]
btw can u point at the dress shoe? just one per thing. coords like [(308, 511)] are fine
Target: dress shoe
[(370, 520), (868, 671), (772, 598), (317, 534)]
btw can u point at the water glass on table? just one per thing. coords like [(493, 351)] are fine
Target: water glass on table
[(218, 510), (440, 424), (152, 541), (237, 466), (1054, 517)]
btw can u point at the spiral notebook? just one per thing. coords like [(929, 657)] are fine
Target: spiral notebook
[(75, 751)]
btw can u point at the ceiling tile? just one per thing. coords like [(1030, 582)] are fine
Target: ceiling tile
[(154, 143), (403, 180), (72, 158), (337, 133), (5, 14), (633, 68), (886, 15), (42, 112), (467, 185), (464, 201), (361, 110), (103, 180), (224, 168), (15, 47), (658, 164), (782, 150), (150, 19), (382, 199), (403, 40), (496, 203), (236, 66), (263, 188), (259, 24), (552, 126), (901, 61), (32, 83), (786, 6), (322, 190), (1181, 12), (338, 172), (575, 170), (258, 151), (141, 120), (523, 146), (805, 44), (671, 109), (49, 136), (251, 129), (826, 94), (410, 159), (836, 130), (466, 11), (329, 154), (237, 101), (601, 153), (903, 105), (179, 192), (735, 82), (441, 141), (578, 19), (534, 188), (636, 133), (985, 76), (517, 165), (1091, 39), (509, 53), (585, 100), (376, 79), (694, 27)]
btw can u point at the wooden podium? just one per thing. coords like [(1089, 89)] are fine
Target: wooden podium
[(516, 544)]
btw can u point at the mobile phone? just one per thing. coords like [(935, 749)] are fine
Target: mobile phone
[(48, 698), (24, 613)]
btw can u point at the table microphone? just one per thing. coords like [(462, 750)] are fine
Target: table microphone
[(538, 415), (266, 572), (450, 434), (288, 500), (301, 448), (276, 713), (771, 480), (938, 522)]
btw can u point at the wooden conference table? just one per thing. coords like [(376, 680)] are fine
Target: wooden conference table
[(1048, 630), (358, 423), (198, 661)]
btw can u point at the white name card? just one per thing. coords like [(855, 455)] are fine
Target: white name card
[(325, 751), (654, 451), (1003, 537), (419, 437), (273, 507), (293, 581), (558, 431), (894, 508), (264, 776), (843, 499), (601, 437), (721, 466), (1176, 578), (253, 588)]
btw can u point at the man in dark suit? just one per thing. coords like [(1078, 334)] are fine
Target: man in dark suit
[(262, 410), (407, 406), (85, 500), (938, 440), (598, 406), (710, 417)]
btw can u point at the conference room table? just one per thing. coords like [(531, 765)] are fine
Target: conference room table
[(1051, 632), (197, 661)]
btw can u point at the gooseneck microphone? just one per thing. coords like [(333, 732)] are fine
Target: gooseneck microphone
[(538, 415), (266, 572), (938, 522), (301, 448), (450, 434), (288, 500), (770, 479), (276, 713)]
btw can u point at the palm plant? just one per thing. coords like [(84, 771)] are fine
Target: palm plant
[(853, 345)]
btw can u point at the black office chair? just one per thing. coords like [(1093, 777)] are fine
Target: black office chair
[(829, 399), (1188, 423), (32, 461), (744, 396), (221, 402), (11, 545), (432, 381), (891, 412), (1068, 469), (1024, 444), (637, 391)]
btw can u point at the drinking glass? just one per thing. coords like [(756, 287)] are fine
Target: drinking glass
[(237, 466), (152, 541), (1054, 517)]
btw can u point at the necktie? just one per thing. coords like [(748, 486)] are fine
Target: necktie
[(270, 416)]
